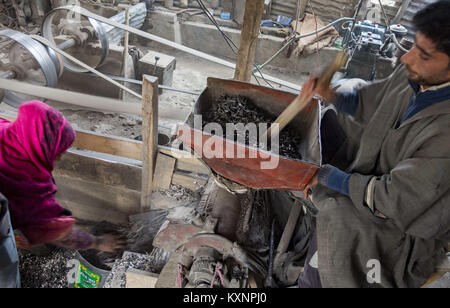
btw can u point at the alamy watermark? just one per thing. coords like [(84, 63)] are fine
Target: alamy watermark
[(72, 274), (374, 274), (239, 140)]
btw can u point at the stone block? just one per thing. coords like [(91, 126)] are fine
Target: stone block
[(140, 279)]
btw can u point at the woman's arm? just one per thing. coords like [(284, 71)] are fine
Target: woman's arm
[(80, 240)]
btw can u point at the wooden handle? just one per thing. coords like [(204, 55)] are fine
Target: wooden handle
[(298, 104)]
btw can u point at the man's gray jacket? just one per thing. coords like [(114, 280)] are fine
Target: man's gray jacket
[(392, 229)]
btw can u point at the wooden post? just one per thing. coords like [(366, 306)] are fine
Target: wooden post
[(149, 137), (249, 38)]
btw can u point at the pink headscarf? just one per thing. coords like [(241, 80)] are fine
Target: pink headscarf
[(28, 148)]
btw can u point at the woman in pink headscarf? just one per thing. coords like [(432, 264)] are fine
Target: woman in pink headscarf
[(29, 147)]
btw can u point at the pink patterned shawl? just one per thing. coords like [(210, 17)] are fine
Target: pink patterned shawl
[(28, 148)]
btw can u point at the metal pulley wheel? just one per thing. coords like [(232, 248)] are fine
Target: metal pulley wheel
[(49, 30), (26, 60)]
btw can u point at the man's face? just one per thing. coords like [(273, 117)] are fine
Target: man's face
[(426, 65)]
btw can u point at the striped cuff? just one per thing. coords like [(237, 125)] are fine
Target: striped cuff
[(335, 179)]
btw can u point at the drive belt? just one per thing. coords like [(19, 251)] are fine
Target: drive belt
[(85, 66), (86, 13)]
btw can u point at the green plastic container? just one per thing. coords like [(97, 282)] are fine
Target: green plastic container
[(89, 276)]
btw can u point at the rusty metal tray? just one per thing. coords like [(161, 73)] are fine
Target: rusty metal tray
[(290, 174)]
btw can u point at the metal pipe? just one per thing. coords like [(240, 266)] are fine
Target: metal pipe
[(354, 21), (138, 82), (269, 279), (288, 230), (8, 75), (67, 44), (73, 98)]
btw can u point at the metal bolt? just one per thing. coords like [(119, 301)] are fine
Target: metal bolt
[(156, 63)]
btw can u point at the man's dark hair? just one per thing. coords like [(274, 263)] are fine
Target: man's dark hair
[(434, 22)]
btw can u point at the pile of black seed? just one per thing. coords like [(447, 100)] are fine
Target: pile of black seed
[(45, 271), (240, 109)]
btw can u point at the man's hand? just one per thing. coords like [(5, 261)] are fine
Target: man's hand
[(310, 87), (307, 192)]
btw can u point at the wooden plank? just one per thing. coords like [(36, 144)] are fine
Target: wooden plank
[(128, 148), (191, 166), (108, 144), (249, 37), (93, 201), (140, 279), (149, 137), (169, 273), (186, 161), (90, 168), (191, 182), (162, 177)]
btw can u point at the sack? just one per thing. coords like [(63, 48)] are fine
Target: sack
[(84, 275)]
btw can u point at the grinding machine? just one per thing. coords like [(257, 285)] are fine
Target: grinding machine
[(33, 59), (243, 231)]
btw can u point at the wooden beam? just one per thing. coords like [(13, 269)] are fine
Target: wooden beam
[(94, 201), (192, 182), (162, 177), (128, 148), (91, 141), (249, 37), (149, 137), (93, 167)]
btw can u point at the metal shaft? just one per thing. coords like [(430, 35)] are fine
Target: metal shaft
[(67, 44), (288, 230), (8, 75)]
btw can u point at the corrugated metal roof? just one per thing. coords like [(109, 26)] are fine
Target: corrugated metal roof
[(412, 9)]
